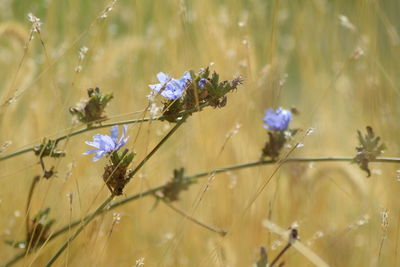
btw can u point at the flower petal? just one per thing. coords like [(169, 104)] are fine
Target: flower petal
[(186, 76), (155, 87), (95, 144), (277, 120), (98, 155), (107, 144), (122, 140), (202, 83), (162, 77), (114, 133), (90, 151)]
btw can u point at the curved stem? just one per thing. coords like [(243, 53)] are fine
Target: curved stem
[(84, 223), (153, 190)]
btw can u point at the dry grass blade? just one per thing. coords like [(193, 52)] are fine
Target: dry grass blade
[(304, 250)]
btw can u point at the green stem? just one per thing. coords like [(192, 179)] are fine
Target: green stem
[(153, 190), (83, 130), (84, 223), (100, 209)]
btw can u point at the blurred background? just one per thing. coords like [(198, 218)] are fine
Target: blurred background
[(337, 62)]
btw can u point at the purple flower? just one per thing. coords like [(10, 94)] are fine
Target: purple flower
[(277, 120), (172, 88), (107, 144), (202, 83)]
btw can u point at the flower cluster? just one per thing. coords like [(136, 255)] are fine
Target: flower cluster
[(277, 122), (92, 110), (176, 185), (192, 91)]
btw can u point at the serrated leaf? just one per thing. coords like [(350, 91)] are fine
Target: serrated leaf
[(368, 149)]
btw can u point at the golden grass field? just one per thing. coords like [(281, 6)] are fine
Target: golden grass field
[(337, 62)]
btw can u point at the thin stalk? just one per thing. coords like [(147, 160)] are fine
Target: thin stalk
[(84, 223), (108, 200), (209, 227), (153, 190), (292, 238), (28, 219), (28, 204), (169, 134), (280, 254)]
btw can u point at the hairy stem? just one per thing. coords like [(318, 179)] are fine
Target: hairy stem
[(153, 190), (83, 130)]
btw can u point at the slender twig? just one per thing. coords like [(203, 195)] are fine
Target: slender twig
[(30, 233), (28, 204), (83, 130), (153, 190), (169, 134), (292, 238), (397, 239), (84, 223), (108, 200), (214, 229)]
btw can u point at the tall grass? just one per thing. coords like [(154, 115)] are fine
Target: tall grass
[(290, 53)]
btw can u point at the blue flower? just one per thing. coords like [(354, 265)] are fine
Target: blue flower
[(202, 83), (107, 144), (172, 88), (277, 120)]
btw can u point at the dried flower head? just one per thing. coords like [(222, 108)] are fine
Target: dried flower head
[(139, 262), (370, 147), (92, 110), (36, 24), (108, 9)]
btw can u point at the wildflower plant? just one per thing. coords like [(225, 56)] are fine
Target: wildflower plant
[(48, 148), (92, 110), (181, 97), (192, 92), (116, 174), (38, 231), (176, 185), (277, 122), (369, 149), (263, 259), (40, 228)]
